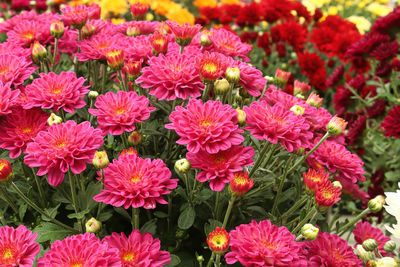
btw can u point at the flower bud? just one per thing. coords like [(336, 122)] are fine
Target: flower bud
[(6, 171), (314, 100), (87, 31), (240, 184), (133, 69), (93, 226), (100, 159), (134, 138), (298, 110), (93, 94), (221, 86), (389, 246), (337, 184), (376, 204), (371, 263), (387, 262), (300, 88), (57, 29), (133, 31), (200, 258), (159, 43), (336, 126), (269, 79), (370, 244), (205, 39), (241, 116), (115, 58), (54, 119), (363, 254), (309, 232), (282, 76), (218, 240), (39, 52), (232, 75), (182, 165), (139, 11)]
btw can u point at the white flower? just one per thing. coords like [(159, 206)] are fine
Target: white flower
[(393, 207)]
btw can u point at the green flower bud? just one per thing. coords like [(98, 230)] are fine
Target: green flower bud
[(370, 244), (389, 246), (376, 204), (93, 94), (221, 86), (182, 165), (93, 226), (309, 232), (363, 254)]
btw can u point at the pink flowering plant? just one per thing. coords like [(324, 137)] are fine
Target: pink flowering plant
[(152, 143)]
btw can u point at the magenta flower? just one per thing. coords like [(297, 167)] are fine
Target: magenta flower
[(97, 46), (119, 112), (141, 27), (218, 168), (364, 231), (26, 32), (64, 146), (64, 91), (183, 33), (251, 79), (18, 246), (264, 244), (134, 182), (331, 251), (138, 249), (75, 16), (229, 44), (138, 48), (172, 76), (20, 128), (7, 98), (277, 124), (211, 126), (80, 250), (15, 69)]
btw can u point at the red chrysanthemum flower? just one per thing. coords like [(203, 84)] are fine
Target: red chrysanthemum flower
[(387, 24), (130, 151), (134, 182), (353, 190), (20, 128), (312, 65), (18, 246), (138, 249), (220, 167), (364, 231), (118, 112), (7, 98), (240, 183), (172, 76), (313, 178), (355, 130), (290, 32), (210, 126), (264, 244), (75, 16), (137, 28), (183, 33), (80, 250), (337, 158), (63, 146), (391, 123), (385, 50), (366, 44), (277, 124), (335, 77), (64, 91), (211, 66), (15, 69), (229, 44), (218, 240), (326, 195), (331, 251), (159, 42), (6, 171), (139, 10)]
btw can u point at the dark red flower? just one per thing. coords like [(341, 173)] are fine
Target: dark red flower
[(385, 50), (391, 123), (355, 130), (388, 24), (335, 77)]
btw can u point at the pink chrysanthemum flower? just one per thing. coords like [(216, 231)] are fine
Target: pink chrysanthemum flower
[(251, 79), (331, 251), (80, 250), (211, 126), (15, 69), (26, 32), (119, 112), (172, 76), (15, 50), (337, 158), (61, 147), (134, 182), (264, 244), (212, 66), (229, 44), (18, 246), (9, 24), (219, 168), (136, 28), (277, 124), (64, 91), (97, 47), (364, 231), (138, 48), (183, 33), (7, 98), (138, 249), (21, 127), (75, 16), (326, 195)]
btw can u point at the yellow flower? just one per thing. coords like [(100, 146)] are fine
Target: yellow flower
[(378, 9), (332, 10), (116, 7), (205, 3), (230, 2), (117, 20), (363, 25), (162, 7), (180, 15)]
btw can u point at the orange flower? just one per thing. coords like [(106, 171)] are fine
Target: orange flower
[(218, 240)]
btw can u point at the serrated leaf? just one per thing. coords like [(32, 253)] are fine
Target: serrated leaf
[(48, 231), (79, 215), (175, 260), (149, 227), (105, 216), (22, 210), (186, 218), (52, 212), (204, 194)]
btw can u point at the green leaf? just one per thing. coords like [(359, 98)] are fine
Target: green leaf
[(204, 194), (51, 232), (79, 215), (186, 218), (105, 216), (22, 210), (160, 214), (149, 227), (211, 225), (175, 260), (123, 212)]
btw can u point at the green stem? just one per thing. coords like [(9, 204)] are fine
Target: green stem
[(9, 201), (295, 207), (206, 91), (53, 61), (135, 218), (181, 49), (218, 260), (261, 156), (309, 153), (352, 222), (187, 187), (230, 93), (211, 259), (103, 78), (2, 220), (74, 199), (309, 215), (356, 95), (281, 184), (40, 189), (121, 81), (228, 211), (42, 212)]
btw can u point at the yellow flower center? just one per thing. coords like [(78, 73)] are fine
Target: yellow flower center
[(28, 35), (239, 179), (268, 244), (219, 240), (2, 165), (210, 67), (129, 257), (4, 70), (7, 254), (26, 130), (135, 178), (327, 194), (120, 110), (57, 90)]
